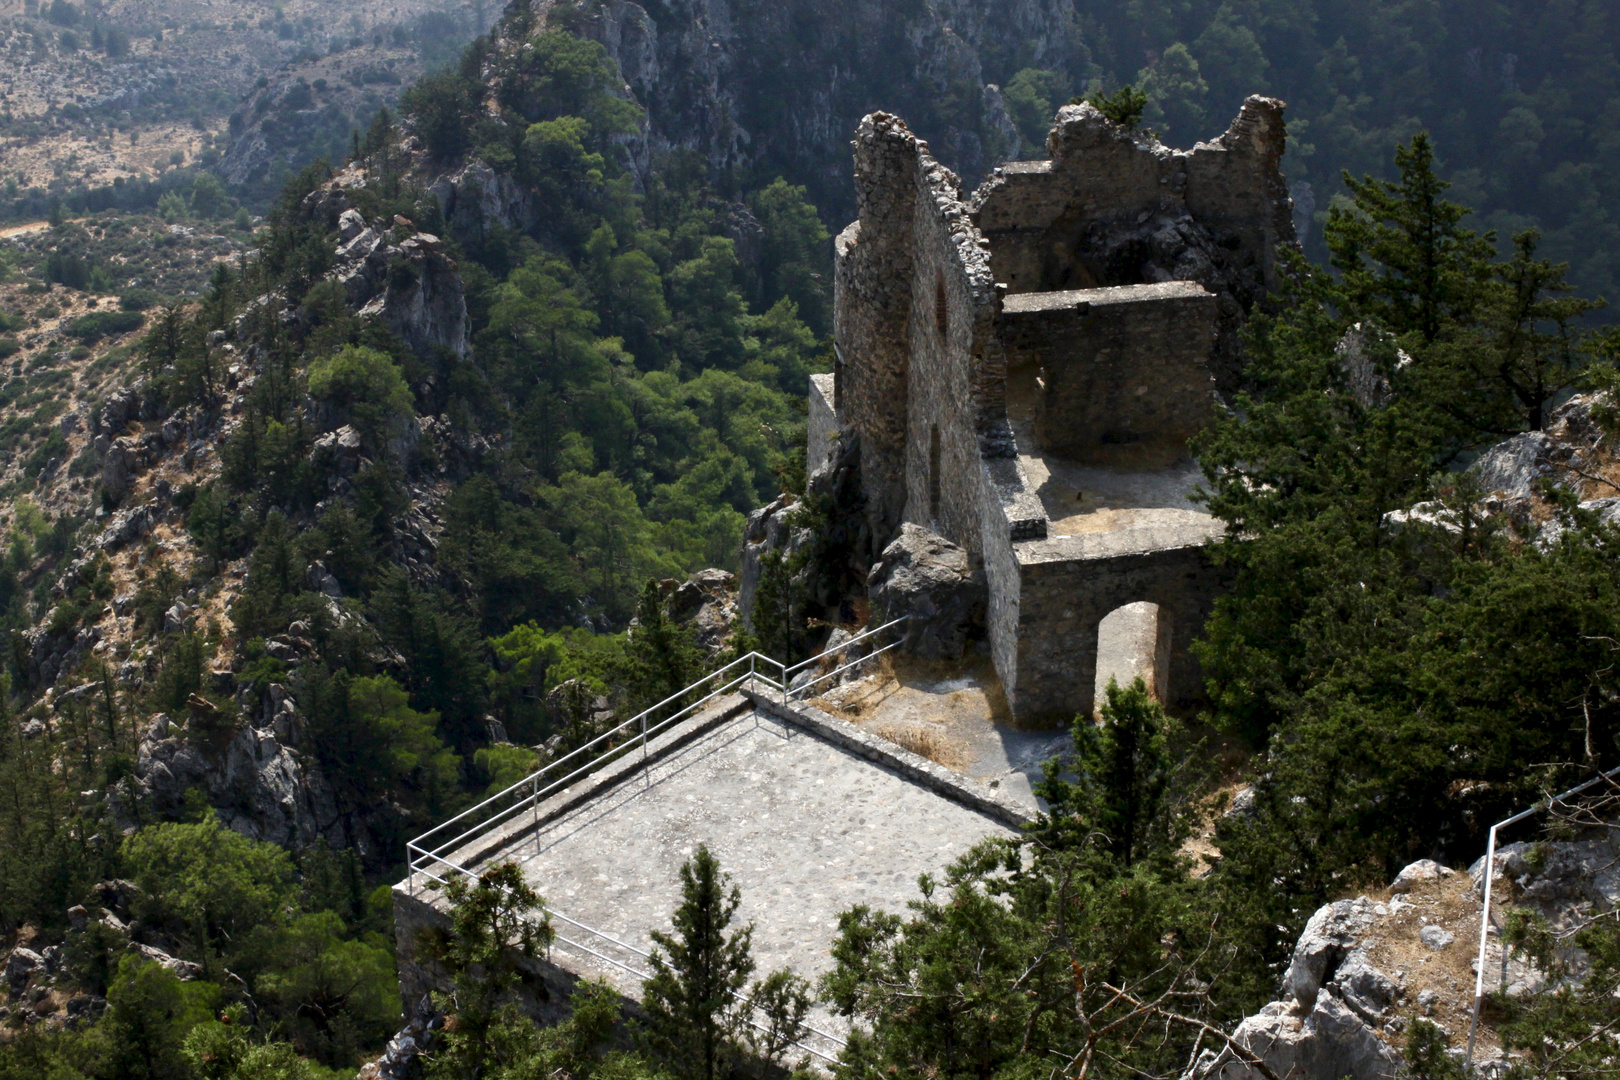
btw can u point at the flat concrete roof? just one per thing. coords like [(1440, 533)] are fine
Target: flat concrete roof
[(806, 827)]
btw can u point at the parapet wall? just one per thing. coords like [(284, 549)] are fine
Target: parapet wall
[(1117, 365), (1115, 207)]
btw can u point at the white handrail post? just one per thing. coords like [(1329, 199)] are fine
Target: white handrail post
[(1484, 930)]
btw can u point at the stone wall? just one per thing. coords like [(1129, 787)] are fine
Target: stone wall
[(1115, 207), (1069, 584), (872, 313), (1117, 365), (821, 428), (922, 373)]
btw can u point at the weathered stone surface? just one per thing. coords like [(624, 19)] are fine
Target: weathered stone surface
[(1420, 871), (931, 581), (1326, 941), (1436, 937), (118, 468), (1513, 466), (20, 965), (185, 970), (1327, 1041), (124, 527), (258, 786), (1113, 280)]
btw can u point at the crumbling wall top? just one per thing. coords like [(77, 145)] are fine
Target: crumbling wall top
[(893, 166)]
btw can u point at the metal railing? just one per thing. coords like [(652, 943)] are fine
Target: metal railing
[(438, 851), (1485, 913)]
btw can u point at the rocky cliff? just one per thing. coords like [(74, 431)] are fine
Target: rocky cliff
[(762, 90)]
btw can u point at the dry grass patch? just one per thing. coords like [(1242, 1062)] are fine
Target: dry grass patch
[(926, 741)]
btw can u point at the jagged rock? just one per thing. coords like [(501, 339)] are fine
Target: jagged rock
[(20, 966), (477, 196), (119, 410), (260, 787), (931, 580), (1363, 987), (322, 581), (350, 224), (118, 467), (1327, 1042), (1358, 355), (177, 619), (706, 604), (124, 526), (337, 450), (1512, 467), (184, 969), (400, 1056), (765, 532), (1243, 800), (1565, 877), (1326, 941)]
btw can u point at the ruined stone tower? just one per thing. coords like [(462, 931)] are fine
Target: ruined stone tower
[(1024, 370)]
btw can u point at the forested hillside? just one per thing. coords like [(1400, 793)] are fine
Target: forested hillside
[(1518, 97)]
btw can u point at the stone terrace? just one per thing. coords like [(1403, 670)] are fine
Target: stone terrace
[(808, 814)]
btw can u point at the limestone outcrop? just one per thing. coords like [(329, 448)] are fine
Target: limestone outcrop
[(405, 281), (259, 786), (1364, 968)]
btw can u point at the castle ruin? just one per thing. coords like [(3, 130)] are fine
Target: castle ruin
[(1024, 368)]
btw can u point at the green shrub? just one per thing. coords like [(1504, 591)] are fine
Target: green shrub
[(363, 381), (8, 347), (139, 300), (100, 324)]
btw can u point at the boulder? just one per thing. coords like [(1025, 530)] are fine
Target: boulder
[(934, 584), (118, 467), (1326, 941), (1422, 870), (124, 527), (350, 224), (1328, 1041), (20, 965), (1436, 937)]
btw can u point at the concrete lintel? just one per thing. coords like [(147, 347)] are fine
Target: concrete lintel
[(1082, 300), (1123, 543), (914, 767)]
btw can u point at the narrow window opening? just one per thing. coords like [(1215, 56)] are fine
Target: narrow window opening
[(942, 314), (933, 472)]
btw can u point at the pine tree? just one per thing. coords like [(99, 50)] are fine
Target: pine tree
[(661, 658), (694, 1011), (1405, 258), (492, 924)]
